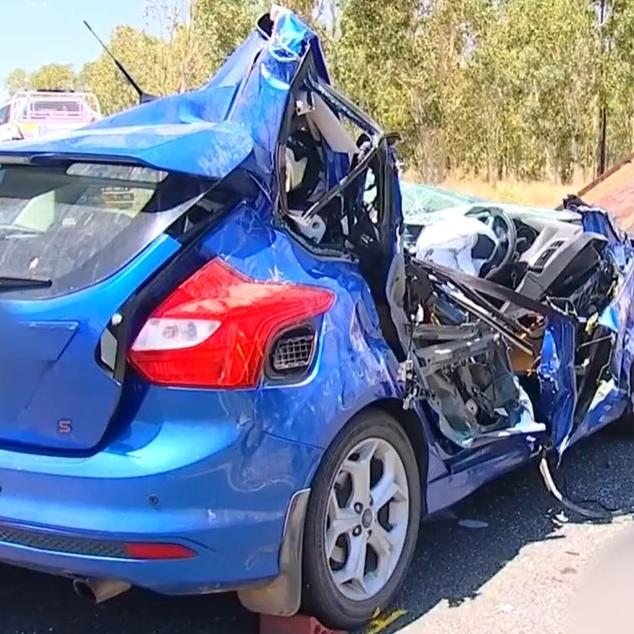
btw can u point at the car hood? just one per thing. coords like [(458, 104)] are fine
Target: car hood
[(232, 121)]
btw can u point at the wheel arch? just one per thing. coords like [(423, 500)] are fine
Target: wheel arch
[(413, 427), (411, 424), (282, 596), (383, 411)]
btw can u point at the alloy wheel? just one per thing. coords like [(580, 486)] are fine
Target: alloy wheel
[(367, 519)]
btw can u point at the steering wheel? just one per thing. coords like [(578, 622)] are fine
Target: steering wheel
[(506, 232)]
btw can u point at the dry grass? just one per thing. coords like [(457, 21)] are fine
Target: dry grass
[(537, 194)]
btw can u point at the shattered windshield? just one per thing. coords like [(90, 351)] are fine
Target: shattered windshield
[(421, 200)]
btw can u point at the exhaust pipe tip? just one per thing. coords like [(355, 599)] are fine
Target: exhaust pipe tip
[(97, 591)]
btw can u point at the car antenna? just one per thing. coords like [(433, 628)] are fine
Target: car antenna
[(143, 96)]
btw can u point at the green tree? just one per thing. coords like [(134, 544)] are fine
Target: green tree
[(534, 79), (374, 60), (445, 125), (220, 26), (18, 79), (615, 30), (53, 76)]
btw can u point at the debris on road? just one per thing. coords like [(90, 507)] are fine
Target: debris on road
[(467, 523)]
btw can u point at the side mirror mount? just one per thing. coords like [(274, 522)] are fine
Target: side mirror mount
[(393, 138)]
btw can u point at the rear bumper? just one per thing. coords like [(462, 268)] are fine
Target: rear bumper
[(198, 575), (217, 487)]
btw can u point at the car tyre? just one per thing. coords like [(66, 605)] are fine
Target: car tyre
[(362, 522)]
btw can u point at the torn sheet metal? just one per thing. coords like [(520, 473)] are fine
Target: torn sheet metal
[(558, 380), (558, 387), (614, 395)]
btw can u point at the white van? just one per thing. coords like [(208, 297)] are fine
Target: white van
[(36, 113)]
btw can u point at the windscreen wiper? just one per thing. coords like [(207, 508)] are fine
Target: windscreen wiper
[(16, 283)]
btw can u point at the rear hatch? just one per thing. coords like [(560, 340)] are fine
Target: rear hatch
[(76, 241)]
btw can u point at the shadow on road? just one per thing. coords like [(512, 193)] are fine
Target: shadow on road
[(452, 563), (32, 603)]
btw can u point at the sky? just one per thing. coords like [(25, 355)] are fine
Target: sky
[(36, 32)]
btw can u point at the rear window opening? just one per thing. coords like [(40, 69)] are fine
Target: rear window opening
[(78, 224)]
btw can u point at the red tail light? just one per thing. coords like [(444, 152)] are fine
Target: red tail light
[(151, 550), (216, 328)]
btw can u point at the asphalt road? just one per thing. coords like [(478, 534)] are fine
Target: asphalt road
[(517, 574)]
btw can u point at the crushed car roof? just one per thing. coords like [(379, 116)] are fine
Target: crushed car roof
[(232, 120)]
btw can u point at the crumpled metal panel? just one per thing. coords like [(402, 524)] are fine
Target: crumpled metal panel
[(234, 119), (354, 366), (619, 245), (558, 374), (557, 379), (211, 150), (613, 396)]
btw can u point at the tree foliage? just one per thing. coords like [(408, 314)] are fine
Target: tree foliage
[(18, 79), (47, 77), (489, 87), (54, 76)]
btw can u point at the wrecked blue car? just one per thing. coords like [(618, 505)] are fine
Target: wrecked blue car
[(230, 364)]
